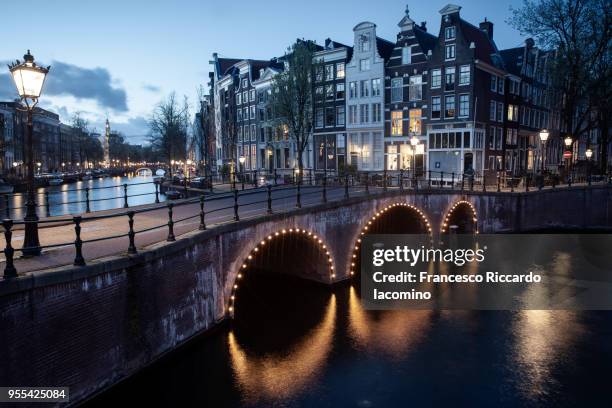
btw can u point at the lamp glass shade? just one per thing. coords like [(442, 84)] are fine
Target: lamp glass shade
[(568, 141), (588, 153), (29, 80), (544, 135), (242, 159), (414, 140)]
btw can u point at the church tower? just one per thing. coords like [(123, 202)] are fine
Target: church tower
[(107, 145)]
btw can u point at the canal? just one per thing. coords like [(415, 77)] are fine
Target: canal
[(297, 344), (104, 194)]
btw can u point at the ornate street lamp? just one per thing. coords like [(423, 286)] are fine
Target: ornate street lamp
[(543, 138), (568, 143), (242, 159), (29, 79), (414, 141)]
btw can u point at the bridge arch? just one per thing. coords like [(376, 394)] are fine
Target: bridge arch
[(250, 261), (461, 215), (145, 170), (423, 224)]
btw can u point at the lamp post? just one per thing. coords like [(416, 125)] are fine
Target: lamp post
[(242, 159), (29, 79), (568, 143), (171, 165), (589, 154), (414, 141), (543, 138)]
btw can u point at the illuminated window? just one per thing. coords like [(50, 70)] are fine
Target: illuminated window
[(415, 121), (396, 123)]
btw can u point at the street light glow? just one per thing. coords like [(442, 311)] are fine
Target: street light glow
[(544, 135), (28, 77)]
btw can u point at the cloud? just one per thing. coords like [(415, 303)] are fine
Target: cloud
[(82, 83), (151, 88)]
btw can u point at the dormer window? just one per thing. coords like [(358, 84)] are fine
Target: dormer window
[(449, 33), (364, 42), (406, 55), (245, 83)]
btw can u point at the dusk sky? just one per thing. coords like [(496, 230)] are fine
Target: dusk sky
[(120, 58)]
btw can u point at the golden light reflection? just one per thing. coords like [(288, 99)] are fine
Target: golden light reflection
[(282, 374), (393, 332)]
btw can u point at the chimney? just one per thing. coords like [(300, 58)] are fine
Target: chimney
[(487, 27), (424, 26)]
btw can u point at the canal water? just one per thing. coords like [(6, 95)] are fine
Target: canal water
[(104, 193), (296, 344)]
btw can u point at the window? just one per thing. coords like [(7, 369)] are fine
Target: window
[(340, 70), (245, 96), (353, 114), (500, 112), (238, 99), (240, 134), (245, 83), (435, 107), (493, 83), (450, 52), (464, 105), (492, 107), (245, 113), (253, 133), (329, 72), (449, 78), (376, 87), (415, 121), (329, 92), (319, 118), (261, 114), (253, 156), (239, 112), (406, 55), (330, 117), (436, 77), (252, 95), (319, 93), (511, 115), (340, 115), (449, 106), (364, 113), (500, 85), (396, 123), (376, 113), (246, 133), (340, 91), (364, 42), (397, 90), (352, 90), (499, 138), (464, 75), (415, 90), (253, 112), (449, 33), (364, 87), (319, 74), (364, 64)]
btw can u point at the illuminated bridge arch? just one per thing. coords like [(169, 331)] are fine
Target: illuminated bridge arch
[(462, 215), (423, 226), (145, 171), (249, 262)]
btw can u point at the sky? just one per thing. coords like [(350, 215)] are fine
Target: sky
[(118, 59)]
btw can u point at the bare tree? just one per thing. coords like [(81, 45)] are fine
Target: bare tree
[(291, 98), (205, 132), (578, 32), (169, 125)]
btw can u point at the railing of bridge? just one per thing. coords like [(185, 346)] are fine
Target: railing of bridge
[(312, 188)]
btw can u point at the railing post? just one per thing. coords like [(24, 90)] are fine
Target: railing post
[(131, 233), (9, 268), (346, 187), (512, 184), (400, 180), (429, 178), (269, 187), (255, 178), (78, 243), (236, 217), (275, 182), (385, 180), (87, 208), (367, 184), (47, 209), (498, 184), (484, 182), (125, 196), (325, 187), (298, 203), (156, 192), (7, 208), (453, 180), (441, 179), (526, 183), (462, 181), (170, 224), (202, 226)]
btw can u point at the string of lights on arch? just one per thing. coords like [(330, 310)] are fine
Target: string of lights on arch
[(445, 225), (256, 250), (378, 214)]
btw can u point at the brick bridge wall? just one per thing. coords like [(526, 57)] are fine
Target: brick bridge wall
[(89, 327)]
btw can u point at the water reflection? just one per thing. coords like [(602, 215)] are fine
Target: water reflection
[(284, 373)]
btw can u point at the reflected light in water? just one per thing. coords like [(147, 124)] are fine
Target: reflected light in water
[(282, 374), (394, 332)]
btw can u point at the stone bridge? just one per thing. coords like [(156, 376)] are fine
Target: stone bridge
[(89, 327)]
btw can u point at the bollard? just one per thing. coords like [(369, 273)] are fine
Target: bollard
[(156, 192), (131, 233), (202, 226), (170, 224), (87, 209), (125, 196), (346, 187), (325, 188), (269, 187), (7, 206), (9, 268), (236, 218), (78, 243), (47, 209), (298, 203)]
